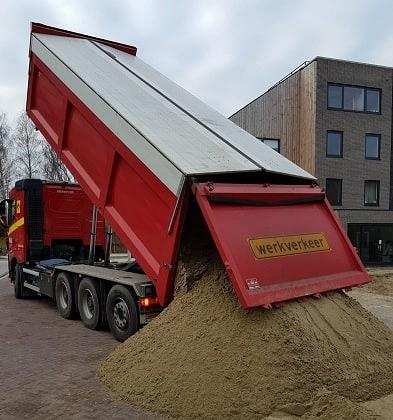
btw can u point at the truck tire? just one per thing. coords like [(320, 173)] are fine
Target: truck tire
[(19, 288), (65, 296), (121, 313), (89, 303)]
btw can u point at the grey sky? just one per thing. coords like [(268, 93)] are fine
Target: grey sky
[(226, 52)]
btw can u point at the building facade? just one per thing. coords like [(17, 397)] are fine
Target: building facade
[(334, 119)]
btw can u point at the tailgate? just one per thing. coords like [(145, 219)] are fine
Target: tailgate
[(278, 242)]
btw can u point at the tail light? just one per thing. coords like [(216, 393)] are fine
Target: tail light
[(145, 302)]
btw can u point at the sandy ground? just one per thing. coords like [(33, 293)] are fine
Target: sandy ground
[(377, 297), (322, 359)]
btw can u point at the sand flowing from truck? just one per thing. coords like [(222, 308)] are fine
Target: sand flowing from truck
[(205, 357)]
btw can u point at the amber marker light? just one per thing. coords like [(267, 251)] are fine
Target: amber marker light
[(148, 301)]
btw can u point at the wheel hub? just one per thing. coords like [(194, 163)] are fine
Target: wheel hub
[(88, 304), (63, 296), (121, 314)]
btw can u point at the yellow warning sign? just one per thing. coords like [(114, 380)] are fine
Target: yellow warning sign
[(17, 206), (278, 246)]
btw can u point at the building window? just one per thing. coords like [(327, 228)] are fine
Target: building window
[(371, 193), (273, 143), (373, 100), (334, 144), (335, 96), (372, 146), (334, 191), (354, 98)]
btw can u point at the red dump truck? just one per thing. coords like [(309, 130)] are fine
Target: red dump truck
[(58, 247), (146, 152)]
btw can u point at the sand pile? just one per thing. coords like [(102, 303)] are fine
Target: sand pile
[(206, 357), (325, 405), (382, 284)]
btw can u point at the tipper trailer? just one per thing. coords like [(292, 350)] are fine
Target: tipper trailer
[(143, 148)]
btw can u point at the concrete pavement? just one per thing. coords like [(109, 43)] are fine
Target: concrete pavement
[(3, 267)]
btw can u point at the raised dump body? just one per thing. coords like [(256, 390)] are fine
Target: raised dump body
[(141, 147)]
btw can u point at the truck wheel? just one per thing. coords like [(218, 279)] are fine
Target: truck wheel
[(121, 313), (65, 297), (19, 289), (89, 303)]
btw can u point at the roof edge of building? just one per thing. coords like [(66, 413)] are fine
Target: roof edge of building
[(320, 57), (290, 74), (301, 67)]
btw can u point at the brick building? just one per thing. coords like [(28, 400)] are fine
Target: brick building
[(334, 119)]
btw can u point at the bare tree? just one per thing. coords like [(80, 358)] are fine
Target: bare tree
[(27, 148), (5, 157), (53, 168)]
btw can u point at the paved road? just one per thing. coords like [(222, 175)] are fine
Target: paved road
[(3, 266), (48, 364)]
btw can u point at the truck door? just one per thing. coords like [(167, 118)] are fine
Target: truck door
[(13, 218)]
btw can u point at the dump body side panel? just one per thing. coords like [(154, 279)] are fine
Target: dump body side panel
[(139, 207), (278, 242)]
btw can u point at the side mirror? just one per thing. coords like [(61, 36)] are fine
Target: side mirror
[(3, 213), (6, 215)]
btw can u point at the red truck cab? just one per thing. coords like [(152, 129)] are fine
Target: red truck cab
[(49, 220), (57, 248)]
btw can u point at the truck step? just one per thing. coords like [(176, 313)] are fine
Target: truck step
[(31, 287)]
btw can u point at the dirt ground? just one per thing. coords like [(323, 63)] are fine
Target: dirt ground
[(382, 283), (377, 296)]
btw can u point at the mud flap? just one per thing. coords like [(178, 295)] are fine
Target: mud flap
[(278, 242)]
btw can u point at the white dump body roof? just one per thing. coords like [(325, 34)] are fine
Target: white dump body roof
[(171, 131)]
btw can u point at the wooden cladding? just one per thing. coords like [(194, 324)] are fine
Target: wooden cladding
[(286, 112)]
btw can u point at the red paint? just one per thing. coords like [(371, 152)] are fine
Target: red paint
[(132, 199), (39, 28), (67, 214), (283, 277), (17, 240)]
